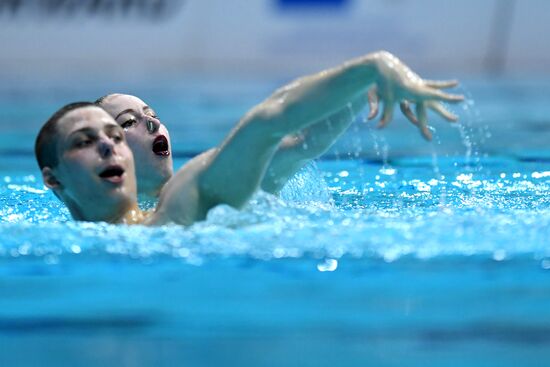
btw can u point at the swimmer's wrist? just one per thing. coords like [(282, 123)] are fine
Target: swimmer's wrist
[(387, 66), (363, 68), (368, 61)]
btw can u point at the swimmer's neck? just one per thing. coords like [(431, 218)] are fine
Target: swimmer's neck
[(130, 214)]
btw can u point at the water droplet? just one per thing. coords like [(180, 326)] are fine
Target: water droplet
[(499, 255), (387, 171), (328, 265)]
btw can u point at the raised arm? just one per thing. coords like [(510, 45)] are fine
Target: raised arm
[(297, 149), (232, 172)]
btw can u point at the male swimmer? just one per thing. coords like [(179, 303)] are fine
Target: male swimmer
[(85, 160)]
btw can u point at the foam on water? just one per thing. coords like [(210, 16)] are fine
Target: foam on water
[(348, 208)]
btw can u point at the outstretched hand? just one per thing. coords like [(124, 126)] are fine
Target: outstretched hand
[(397, 83)]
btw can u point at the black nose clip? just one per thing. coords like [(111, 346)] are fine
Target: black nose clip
[(150, 126)]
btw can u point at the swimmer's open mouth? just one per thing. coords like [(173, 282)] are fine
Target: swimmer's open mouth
[(112, 173), (160, 146)]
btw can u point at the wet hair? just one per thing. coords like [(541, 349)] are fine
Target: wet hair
[(100, 100), (46, 142)]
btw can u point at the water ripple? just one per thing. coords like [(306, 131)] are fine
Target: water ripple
[(408, 213)]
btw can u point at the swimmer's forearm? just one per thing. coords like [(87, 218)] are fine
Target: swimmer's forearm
[(313, 98), (297, 150), (319, 137)]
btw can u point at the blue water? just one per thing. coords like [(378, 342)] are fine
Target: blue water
[(389, 251)]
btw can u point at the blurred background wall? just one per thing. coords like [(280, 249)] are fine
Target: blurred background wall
[(128, 38)]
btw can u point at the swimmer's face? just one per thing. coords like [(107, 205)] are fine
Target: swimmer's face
[(95, 175), (147, 137)]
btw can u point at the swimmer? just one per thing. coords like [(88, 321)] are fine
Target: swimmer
[(150, 142), (84, 158), (147, 137)]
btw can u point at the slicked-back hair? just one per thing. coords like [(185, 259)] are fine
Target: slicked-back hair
[(100, 100), (45, 146)]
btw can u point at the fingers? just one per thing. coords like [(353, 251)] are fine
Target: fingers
[(373, 103), (431, 93), (422, 117), (387, 115), (406, 110), (441, 84), (440, 109)]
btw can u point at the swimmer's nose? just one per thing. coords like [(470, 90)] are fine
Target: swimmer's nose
[(152, 125), (106, 147)]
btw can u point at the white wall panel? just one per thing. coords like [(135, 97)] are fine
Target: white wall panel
[(241, 36)]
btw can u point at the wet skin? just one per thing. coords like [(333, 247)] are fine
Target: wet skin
[(95, 174), (147, 137)]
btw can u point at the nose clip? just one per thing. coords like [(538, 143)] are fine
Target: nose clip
[(150, 126)]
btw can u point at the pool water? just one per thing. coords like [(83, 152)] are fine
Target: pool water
[(389, 251)]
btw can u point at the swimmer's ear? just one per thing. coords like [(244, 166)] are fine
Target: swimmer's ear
[(49, 178)]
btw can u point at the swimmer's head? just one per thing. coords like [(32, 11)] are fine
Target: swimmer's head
[(85, 160), (147, 137)]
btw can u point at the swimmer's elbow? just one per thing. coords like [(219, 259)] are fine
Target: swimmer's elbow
[(265, 121), (268, 111)]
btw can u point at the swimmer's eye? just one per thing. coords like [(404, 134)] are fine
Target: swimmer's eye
[(83, 143), (128, 124)]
